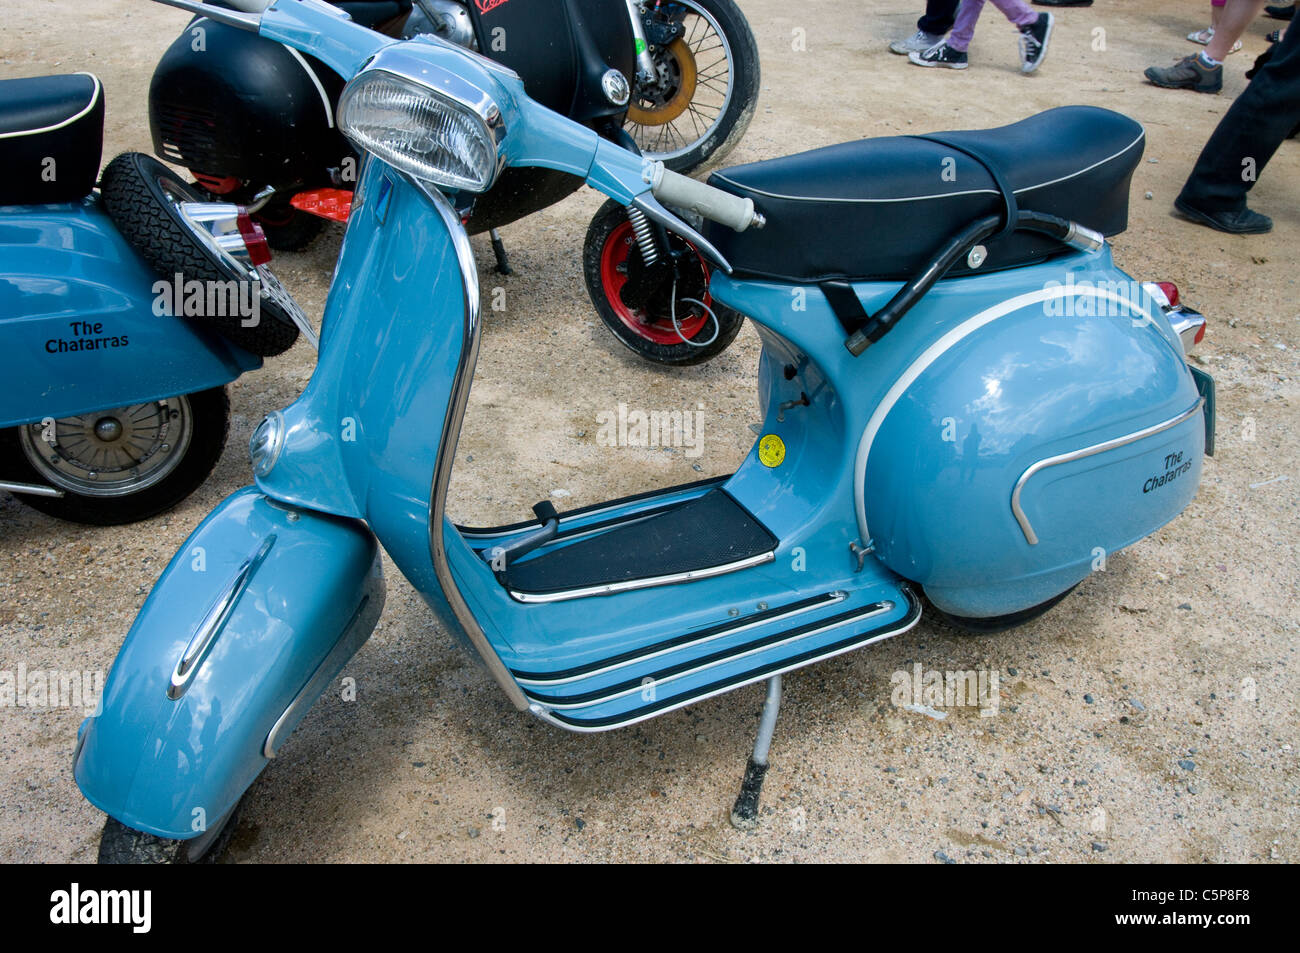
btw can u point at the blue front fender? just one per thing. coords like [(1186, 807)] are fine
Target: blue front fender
[(174, 747)]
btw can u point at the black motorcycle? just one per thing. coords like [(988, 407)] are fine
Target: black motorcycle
[(253, 121)]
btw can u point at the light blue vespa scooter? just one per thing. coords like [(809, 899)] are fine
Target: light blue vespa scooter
[(980, 439), (124, 312)]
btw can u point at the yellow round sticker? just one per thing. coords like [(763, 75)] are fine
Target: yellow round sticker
[(771, 450)]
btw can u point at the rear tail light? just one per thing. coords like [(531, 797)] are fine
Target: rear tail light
[(1200, 333), (259, 251), (1171, 292)]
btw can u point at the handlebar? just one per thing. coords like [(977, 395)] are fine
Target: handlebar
[(714, 204)]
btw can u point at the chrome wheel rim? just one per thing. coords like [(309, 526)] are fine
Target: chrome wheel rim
[(113, 452), (714, 85)]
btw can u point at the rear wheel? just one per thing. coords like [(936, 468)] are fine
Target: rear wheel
[(119, 465), (679, 325), (997, 623), (286, 228), (705, 88)]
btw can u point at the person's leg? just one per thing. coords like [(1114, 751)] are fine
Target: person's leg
[(963, 27), (938, 17), (1237, 15), (1017, 11), (1248, 135)]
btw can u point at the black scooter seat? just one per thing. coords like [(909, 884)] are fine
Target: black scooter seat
[(51, 137), (876, 209)]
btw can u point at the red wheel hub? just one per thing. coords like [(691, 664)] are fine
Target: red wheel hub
[(655, 327)]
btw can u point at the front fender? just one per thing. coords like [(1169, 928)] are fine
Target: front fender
[(268, 602)]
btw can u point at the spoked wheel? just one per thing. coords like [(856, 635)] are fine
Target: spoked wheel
[(702, 97), (119, 844), (120, 465), (999, 623), (147, 202), (684, 328)]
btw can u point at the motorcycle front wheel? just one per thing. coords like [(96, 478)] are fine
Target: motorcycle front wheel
[(688, 330), (702, 97)]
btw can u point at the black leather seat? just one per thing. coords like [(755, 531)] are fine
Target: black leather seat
[(51, 137), (878, 208)]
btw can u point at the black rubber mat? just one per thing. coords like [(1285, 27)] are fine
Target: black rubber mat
[(710, 531)]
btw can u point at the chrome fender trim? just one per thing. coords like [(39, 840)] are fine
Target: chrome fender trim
[(1030, 536), (218, 614)]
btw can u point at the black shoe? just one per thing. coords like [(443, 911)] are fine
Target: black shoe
[(1277, 13), (1063, 3), (941, 55), (1033, 42), (1244, 222)]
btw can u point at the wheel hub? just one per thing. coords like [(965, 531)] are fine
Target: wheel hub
[(115, 453), (670, 95)]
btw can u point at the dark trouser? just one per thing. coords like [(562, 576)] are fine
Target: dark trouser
[(1249, 133), (938, 17)]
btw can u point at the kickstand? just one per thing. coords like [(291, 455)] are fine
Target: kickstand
[(744, 815), (499, 249)]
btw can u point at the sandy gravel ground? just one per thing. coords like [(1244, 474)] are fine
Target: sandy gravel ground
[(1151, 717)]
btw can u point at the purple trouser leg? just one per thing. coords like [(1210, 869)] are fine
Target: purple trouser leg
[(968, 14)]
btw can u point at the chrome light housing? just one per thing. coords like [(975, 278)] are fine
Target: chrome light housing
[(424, 120)]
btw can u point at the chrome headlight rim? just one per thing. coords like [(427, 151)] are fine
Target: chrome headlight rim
[(402, 66)]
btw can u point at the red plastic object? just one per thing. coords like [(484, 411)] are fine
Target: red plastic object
[(217, 184), (1171, 292), (259, 251), (333, 204)]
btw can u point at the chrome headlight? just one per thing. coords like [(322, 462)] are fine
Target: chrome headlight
[(424, 121)]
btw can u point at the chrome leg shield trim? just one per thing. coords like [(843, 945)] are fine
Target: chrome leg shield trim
[(447, 452)]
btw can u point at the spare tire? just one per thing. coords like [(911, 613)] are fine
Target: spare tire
[(143, 198)]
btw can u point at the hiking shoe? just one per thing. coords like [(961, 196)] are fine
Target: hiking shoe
[(1281, 12), (941, 54), (918, 42), (1033, 42), (1244, 222), (1187, 73)]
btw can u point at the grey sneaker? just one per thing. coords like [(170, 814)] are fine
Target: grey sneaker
[(916, 43), (941, 54), (1187, 73)]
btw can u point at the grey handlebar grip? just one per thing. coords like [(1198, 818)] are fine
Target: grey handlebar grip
[(714, 204)]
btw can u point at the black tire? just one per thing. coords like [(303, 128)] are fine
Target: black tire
[(605, 236), (137, 191), (210, 421), (119, 844), (286, 228), (727, 127), (997, 623)]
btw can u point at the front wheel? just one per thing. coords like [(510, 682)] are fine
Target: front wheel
[(702, 97), (119, 844), (680, 324), (119, 465)]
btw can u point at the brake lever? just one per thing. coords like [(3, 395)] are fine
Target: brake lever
[(649, 205)]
